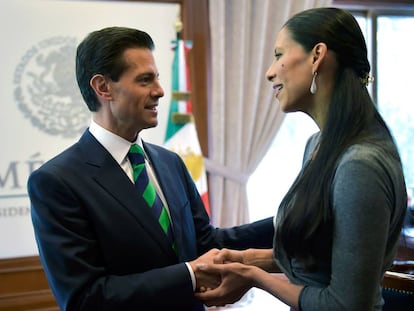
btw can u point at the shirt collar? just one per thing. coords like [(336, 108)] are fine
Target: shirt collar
[(117, 146)]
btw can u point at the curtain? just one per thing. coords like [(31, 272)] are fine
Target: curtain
[(244, 116)]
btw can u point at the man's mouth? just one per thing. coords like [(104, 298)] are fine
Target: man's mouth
[(152, 107)]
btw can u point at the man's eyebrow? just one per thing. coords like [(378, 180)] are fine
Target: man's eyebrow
[(147, 75)]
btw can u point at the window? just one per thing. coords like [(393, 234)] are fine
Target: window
[(390, 49), (278, 169), (394, 96)]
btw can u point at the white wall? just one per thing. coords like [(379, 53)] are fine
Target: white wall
[(41, 109)]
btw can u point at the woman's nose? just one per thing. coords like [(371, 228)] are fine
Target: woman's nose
[(270, 73)]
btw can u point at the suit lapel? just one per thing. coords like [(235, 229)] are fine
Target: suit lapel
[(110, 176)]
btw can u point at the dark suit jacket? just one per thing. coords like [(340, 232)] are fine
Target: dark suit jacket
[(100, 246)]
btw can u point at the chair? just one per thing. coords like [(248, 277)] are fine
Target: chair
[(398, 287)]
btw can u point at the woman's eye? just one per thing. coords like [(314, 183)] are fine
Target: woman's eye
[(278, 55)]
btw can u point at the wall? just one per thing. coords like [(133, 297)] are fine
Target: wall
[(41, 104), (22, 281)]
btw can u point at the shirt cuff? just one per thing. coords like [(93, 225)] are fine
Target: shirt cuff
[(193, 279)]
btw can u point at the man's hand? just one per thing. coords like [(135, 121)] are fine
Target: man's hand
[(204, 279)]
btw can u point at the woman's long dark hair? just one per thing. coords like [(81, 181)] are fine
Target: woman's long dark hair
[(306, 217)]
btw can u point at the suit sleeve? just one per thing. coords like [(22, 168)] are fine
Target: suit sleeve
[(257, 234)]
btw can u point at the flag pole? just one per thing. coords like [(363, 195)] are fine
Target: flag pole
[(181, 95), (181, 134)]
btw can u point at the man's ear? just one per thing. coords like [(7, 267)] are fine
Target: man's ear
[(100, 85), (318, 52)]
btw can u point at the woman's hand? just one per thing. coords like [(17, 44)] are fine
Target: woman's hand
[(262, 258), (228, 255), (236, 280)]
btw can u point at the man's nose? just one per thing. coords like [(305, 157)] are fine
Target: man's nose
[(158, 91)]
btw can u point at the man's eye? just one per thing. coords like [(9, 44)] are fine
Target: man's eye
[(144, 80)]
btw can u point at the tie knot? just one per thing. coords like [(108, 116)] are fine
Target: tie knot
[(136, 149), (136, 154)]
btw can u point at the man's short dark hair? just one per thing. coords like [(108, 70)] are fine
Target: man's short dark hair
[(101, 52)]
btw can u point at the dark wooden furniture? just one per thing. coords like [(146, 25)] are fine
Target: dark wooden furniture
[(23, 286)]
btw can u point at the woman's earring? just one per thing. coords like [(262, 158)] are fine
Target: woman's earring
[(313, 87)]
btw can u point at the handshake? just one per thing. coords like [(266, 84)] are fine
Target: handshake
[(224, 276)]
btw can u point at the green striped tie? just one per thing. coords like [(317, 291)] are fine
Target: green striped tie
[(145, 186)]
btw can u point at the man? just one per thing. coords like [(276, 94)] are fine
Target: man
[(99, 243)]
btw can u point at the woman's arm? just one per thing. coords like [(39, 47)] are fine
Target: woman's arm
[(242, 270), (262, 258), (238, 278)]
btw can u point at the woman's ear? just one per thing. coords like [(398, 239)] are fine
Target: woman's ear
[(318, 52), (100, 85)]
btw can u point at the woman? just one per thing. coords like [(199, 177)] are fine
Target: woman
[(337, 229)]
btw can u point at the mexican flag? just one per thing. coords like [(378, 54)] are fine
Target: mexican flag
[(181, 134)]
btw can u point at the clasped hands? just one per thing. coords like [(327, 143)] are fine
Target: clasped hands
[(221, 276)]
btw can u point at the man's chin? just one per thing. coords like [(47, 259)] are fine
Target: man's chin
[(151, 125)]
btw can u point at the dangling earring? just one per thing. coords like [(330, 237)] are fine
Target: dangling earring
[(313, 87)]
